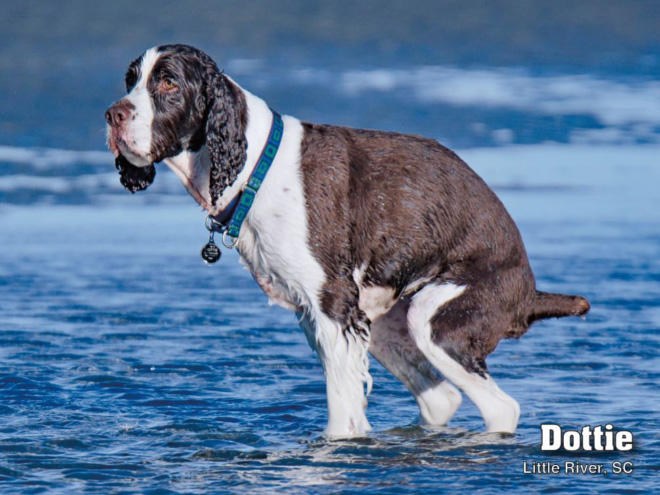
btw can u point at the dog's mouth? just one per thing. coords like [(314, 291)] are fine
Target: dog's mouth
[(135, 173), (134, 178), (120, 146)]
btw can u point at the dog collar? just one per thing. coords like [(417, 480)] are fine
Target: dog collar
[(229, 221)]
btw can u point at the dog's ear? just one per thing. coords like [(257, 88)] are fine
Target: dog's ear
[(134, 178), (225, 133)]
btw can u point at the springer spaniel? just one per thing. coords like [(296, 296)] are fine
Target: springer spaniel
[(382, 243)]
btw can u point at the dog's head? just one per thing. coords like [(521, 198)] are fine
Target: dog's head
[(177, 101)]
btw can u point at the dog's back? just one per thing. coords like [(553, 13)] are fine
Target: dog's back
[(412, 212)]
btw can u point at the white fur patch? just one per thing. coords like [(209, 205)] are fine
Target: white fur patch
[(138, 132), (427, 301), (345, 376), (376, 301), (193, 169)]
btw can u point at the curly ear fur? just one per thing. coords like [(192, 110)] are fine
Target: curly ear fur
[(225, 133), (134, 178)]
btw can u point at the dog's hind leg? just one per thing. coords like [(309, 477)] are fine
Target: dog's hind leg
[(392, 345), (428, 308)]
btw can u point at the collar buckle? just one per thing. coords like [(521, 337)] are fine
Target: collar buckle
[(213, 225)]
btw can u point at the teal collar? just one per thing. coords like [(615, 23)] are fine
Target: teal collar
[(230, 220)]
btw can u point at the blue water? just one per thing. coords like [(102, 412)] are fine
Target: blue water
[(127, 366)]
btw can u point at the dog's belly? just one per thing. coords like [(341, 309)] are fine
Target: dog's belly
[(374, 301), (285, 282), (277, 293)]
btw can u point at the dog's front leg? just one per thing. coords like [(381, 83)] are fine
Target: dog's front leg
[(341, 340)]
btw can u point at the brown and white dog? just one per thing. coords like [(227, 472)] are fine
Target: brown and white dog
[(383, 243)]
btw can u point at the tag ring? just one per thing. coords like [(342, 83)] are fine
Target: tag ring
[(212, 225), (227, 244)]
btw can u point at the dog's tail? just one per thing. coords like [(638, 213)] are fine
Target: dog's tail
[(549, 305)]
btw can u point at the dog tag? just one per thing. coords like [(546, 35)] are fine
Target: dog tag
[(210, 252)]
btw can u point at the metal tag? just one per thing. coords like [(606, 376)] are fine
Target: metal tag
[(210, 252)]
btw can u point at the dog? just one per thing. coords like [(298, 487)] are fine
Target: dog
[(382, 243)]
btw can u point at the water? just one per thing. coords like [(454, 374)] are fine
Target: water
[(128, 366)]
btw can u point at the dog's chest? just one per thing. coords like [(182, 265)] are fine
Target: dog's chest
[(274, 238), (274, 249)]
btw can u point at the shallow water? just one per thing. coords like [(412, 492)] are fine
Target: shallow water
[(128, 366)]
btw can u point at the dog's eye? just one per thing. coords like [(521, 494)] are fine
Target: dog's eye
[(168, 86)]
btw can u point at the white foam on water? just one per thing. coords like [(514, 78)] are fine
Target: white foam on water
[(45, 157), (59, 184), (42, 165), (612, 102)]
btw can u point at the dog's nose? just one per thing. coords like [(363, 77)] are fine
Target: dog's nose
[(118, 113)]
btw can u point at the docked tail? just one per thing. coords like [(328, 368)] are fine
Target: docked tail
[(548, 305)]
